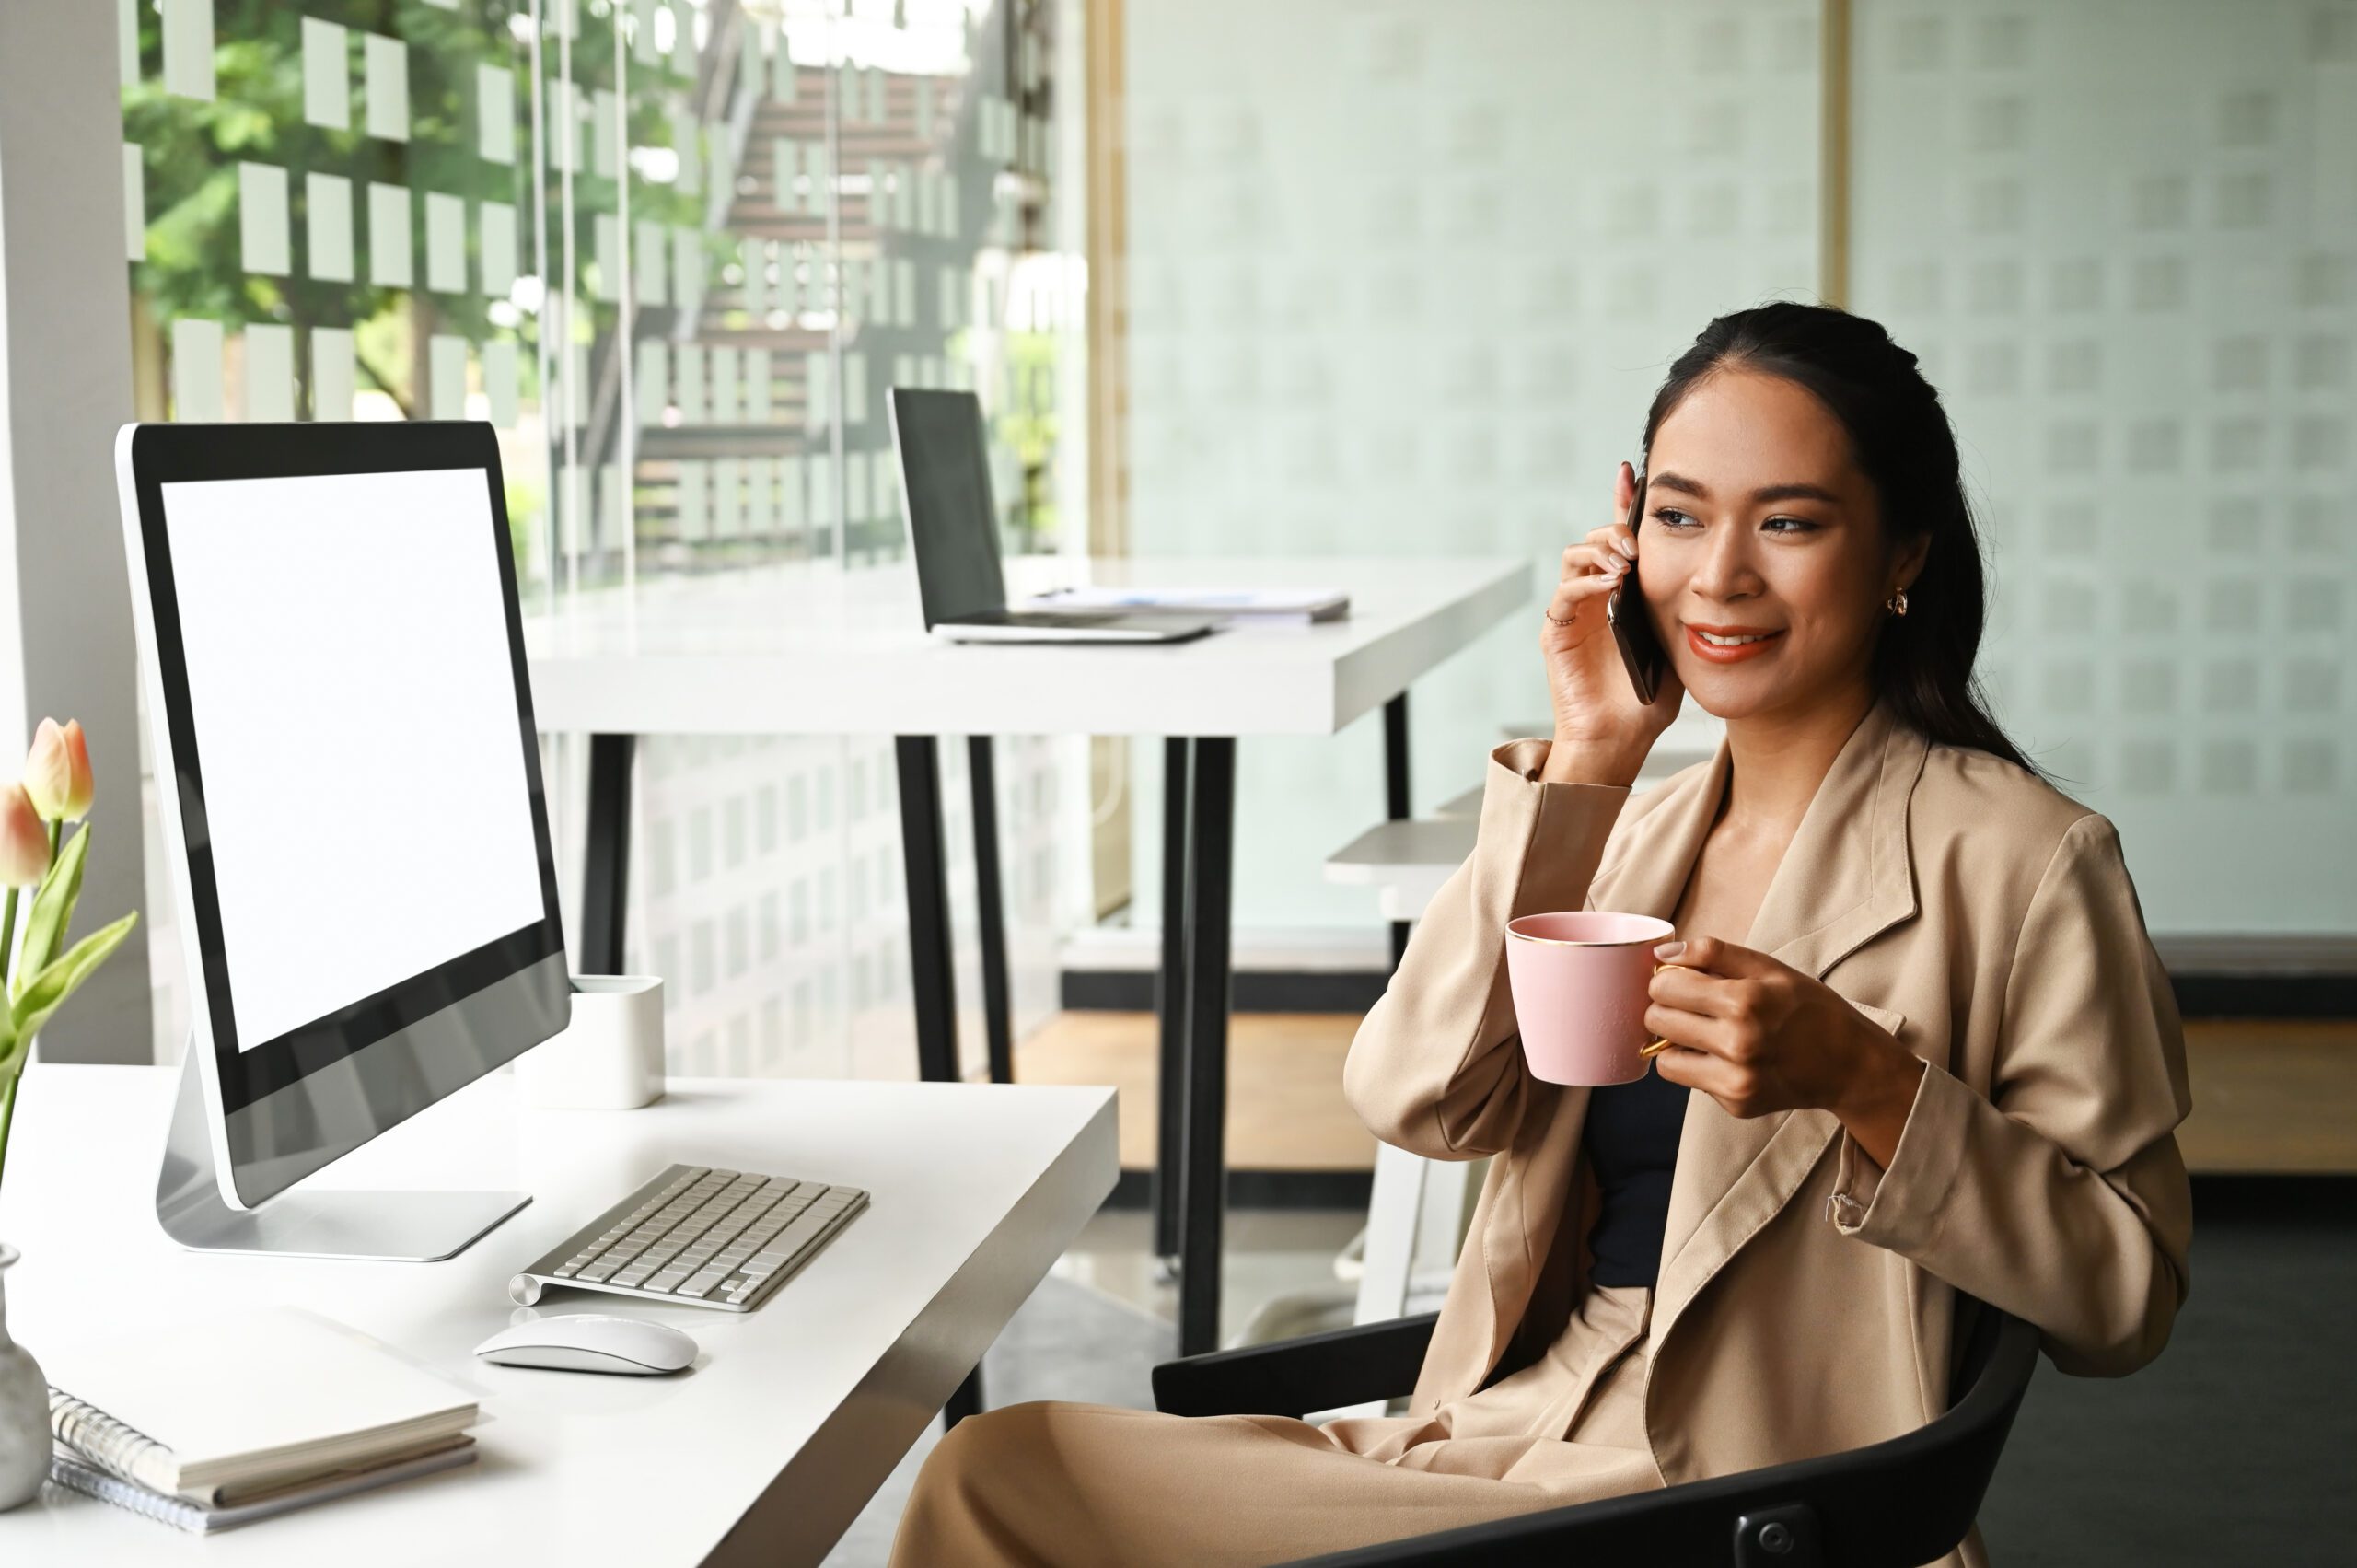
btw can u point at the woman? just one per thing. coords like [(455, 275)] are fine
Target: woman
[(1920, 1042)]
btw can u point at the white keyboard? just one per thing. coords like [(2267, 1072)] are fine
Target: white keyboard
[(724, 1239)]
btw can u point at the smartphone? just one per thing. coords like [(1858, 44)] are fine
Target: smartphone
[(1641, 649)]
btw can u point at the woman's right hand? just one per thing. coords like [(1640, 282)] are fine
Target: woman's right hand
[(1597, 715)]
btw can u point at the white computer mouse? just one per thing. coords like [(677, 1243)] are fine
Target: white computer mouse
[(589, 1342)]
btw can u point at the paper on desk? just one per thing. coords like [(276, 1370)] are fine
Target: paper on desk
[(1311, 604)]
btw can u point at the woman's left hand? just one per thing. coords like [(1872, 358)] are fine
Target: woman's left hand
[(1758, 1037)]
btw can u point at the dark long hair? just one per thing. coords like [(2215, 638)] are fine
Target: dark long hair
[(1900, 440)]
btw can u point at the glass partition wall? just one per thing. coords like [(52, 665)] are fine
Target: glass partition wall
[(2126, 251), (1406, 276), (1403, 279), (677, 252)]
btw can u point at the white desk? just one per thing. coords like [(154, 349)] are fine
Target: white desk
[(811, 651), (762, 1453)]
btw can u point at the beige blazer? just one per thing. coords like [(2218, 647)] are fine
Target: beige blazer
[(1984, 919)]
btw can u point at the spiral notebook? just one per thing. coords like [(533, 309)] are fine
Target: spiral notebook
[(67, 1470), (247, 1408)]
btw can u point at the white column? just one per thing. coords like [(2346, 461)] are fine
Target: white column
[(66, 644)]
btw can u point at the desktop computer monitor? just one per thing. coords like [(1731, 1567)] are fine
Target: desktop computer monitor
[(349, 785)]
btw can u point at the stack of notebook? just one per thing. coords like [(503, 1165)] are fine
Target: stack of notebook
[(212, 1425)]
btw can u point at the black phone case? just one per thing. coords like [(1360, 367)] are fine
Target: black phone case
[(1641, 650)]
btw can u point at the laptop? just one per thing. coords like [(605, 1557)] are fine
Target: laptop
[(945, 492)]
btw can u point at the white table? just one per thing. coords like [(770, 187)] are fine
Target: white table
[(811, 651), (762, 1453)]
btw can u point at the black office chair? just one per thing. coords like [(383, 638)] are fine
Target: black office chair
[(1894, 1504)]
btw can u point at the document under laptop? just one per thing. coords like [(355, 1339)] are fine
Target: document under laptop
[(1260, 605), (945, 492)]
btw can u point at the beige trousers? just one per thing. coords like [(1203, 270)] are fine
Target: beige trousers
[(1093, 1486)]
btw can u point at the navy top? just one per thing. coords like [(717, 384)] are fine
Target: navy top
[(1631, 1141)]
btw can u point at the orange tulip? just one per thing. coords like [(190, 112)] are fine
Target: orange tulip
[(24, 840), (57, 771)]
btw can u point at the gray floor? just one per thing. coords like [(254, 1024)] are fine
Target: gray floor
[(2235, 1448), (2239, 1445)]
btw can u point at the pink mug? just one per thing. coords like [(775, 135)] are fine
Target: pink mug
[(1580, 983)]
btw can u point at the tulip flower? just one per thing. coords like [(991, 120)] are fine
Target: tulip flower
[(24, 841), (57, 771)]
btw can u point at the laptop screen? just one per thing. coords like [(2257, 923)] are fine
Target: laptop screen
[(953, 524)]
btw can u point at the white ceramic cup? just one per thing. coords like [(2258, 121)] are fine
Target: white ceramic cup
[(611, 1057)]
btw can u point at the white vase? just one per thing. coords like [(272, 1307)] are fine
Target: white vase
[(24, 1410)]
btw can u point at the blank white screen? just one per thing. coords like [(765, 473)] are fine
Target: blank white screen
[(353, 702)]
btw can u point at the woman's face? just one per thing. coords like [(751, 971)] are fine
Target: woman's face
[(1757, 521)]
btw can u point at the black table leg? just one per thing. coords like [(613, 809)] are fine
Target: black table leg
[(1394, 792), (1211, 866), (931, 980), (998, 1020), (1170, 999), (965, 1401), (605, 872)]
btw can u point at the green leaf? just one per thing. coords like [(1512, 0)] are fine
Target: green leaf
[(52, 909), (50, 989)]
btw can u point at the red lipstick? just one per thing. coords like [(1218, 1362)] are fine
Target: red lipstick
[(1713, 653)]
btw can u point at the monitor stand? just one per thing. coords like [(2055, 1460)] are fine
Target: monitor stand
[(402, 1227)]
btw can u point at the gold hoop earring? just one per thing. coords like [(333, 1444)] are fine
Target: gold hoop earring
[(1897, 603)]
